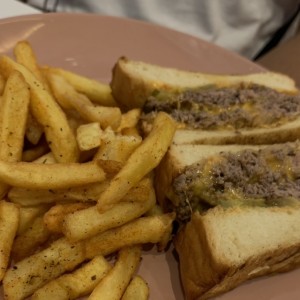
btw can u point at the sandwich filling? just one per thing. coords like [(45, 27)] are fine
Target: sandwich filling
[(265, 177), (238, 107)]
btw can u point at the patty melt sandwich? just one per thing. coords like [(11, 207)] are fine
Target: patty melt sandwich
[(212, 109), (237, 205), (239, 209)]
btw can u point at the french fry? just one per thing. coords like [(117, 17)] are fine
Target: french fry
[(31, 273), (156, 210), (96, 91), (65, 93), (28, 214), (130, 119), (132, 131), (9, 219), (28, 275), (137, 289), (76, 284), (117, 147), (54, 218), (48, 113), (106, 116), (68, 97), (35, 152), (83, 193), (144, 159), (113, 285), (110, 167), (89, 136), (14, 106), (91, 196), (75, 121), (47, 158), (34, 130), (89, 222), (26, 243), (140, 231), (25, 56), (50, 176), (2, 84)]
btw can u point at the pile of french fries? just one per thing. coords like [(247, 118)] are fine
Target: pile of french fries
[(76, 185)]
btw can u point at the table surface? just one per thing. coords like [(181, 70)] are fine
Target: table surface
[(12, 8)]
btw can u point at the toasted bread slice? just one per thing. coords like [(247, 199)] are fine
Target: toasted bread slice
[(134, 81), (225, 247), (287, 132)]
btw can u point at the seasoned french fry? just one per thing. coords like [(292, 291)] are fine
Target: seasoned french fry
[(34, 130), (28, 214), (110, 167), (31, 273), (132, 131), (65, 93), (89, 222), (68, 97), (54, 218), (84, 193), (117, 147), (137, 289), (14, 106), (76, 284), (35, 152), (50, 176), (2, 84), (48, 113), (74, 122), (140, 231), (47, 158), (130, 119), (25, 56), (27, 243), (96, 91), (144, 159), (154, 211), (106, 116), (113, 285), (28, 275), (89, 136), (9, 219), (78, 180)]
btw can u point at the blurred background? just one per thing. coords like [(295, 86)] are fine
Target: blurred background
[(266, 31)]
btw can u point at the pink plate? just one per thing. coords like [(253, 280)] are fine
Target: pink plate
[(90, 45)]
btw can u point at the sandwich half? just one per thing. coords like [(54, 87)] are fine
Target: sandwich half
[(238, 210), (235, 194), (211, 109)]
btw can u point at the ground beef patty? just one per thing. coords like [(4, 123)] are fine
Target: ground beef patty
[(267, 177), (231, 108)]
